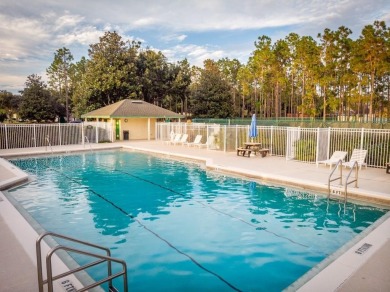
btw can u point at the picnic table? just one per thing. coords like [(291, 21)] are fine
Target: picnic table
[(250, 147)]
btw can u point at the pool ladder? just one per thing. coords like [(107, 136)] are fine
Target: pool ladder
[(48, 143), (99, 259), (347, 181), (90, 146)]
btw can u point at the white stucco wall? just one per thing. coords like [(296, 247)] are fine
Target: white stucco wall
[(139, 128)]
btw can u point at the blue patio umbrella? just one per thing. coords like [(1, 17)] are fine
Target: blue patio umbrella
[(253, 127)]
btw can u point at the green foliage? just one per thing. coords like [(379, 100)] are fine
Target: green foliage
[(37, 103), (211, 98), (9, 104), (111, 70), (294, 76), (305, 150), (58, 74)]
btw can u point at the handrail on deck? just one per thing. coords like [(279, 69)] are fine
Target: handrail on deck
[(356, 166), (340, 162), (90, 146), (101, 259), (48, 143)]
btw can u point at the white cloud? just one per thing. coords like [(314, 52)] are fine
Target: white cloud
[(145, 22), (84, 36), (32, 32), (173, 38), (195, 54), (68, 20), (12, 83)]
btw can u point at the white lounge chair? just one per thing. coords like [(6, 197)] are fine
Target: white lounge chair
[(210, 141), (182, 140), (196, 141), (358, 155), (336, 156), (175, 139), (172, 136)]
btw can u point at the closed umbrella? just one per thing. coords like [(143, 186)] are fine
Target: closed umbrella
[(253, 127)]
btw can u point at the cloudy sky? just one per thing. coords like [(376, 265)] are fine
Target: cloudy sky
[(32, 30)]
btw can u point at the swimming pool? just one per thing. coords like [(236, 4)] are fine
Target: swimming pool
[(180, 227)]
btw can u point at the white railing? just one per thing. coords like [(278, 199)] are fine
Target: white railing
[(37, 135), (302, 144)]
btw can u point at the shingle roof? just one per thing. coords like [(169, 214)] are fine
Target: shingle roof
[(129, 108)]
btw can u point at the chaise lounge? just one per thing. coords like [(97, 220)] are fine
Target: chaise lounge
[(244, 151), (358, 156), (336, 157), (197, 141), (182, 140)]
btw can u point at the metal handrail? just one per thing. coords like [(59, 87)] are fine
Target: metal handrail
[(90, 146), (51, 279), (340, 177), (356, 166), (48, 143), (101, 258)]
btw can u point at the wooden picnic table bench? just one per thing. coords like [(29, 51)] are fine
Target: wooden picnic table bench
[(242, 151), (263, 152), (247, 151)]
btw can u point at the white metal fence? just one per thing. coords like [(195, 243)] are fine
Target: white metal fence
[(302, 144), (38, 135)]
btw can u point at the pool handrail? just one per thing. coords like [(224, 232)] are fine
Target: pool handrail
[(101, 259)]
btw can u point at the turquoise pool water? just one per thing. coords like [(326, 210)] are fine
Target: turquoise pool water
[(180, 227)]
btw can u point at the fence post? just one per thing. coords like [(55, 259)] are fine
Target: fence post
[(207, 141), (97, 132), (6, 136), (35, 136), (318, 144), (272, 140), (362, 139), (328, 146), (224, 140), (82, 134), (236, 142), (59, 133)]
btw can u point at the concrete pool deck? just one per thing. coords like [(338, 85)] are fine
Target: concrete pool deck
[(348, 272)]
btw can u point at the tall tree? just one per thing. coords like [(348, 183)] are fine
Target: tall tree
[(245, 78), (261, 63), (211, 98), (372, 53), (280, 75), (111, 70), (9, 104), (180, 88), (80, 89), (229, 70), (154, 76), (335, 78), (58, 74), (37, 102), (308, 63)]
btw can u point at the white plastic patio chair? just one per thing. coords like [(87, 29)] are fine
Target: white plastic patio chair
[(175, 139), (336, 156), (182, 140), (358, 155), (196, 141), (210, 142)]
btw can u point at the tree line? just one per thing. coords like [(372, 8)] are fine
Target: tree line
[(294, 76)]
